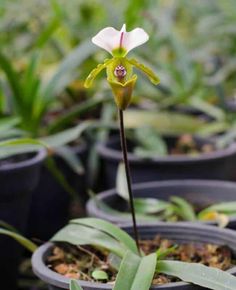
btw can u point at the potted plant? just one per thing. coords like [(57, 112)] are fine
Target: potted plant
[(19, 176), (169, 158), (90, 236), (32, 99), (99, 255), (185, 201), (106, 236), (136, 270)]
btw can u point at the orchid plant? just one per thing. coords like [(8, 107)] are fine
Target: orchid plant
[(120, 76), (131, 261), (125, 258)]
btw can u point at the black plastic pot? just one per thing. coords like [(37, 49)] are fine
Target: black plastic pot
[(17, 179), (218, 165), (201, 193), (50, 201), (177, 232)]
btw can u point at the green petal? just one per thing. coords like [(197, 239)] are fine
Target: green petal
[(122, 91), (151, 75), (89, 80)]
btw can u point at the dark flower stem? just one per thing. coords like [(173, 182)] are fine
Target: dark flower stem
[(128, 177)]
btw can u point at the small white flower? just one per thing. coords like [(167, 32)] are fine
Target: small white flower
[(119, 43)]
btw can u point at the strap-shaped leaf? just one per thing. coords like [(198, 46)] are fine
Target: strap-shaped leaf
[(110, 229), (20, 239), (77, 234), (223, 207), (12, 77), (201, 275), (95, 72), (146, 206), (144, 276), (151, 75), (121, 182), (184, 208), (64, 74), (150, 143), (71, 158), (66, 136), (74, 285), (126, 215), (8, 227), (164, 122), (128, 269), (131, 273), (18, 146), (67, 117)]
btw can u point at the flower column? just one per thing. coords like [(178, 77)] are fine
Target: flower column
[(122, 81)]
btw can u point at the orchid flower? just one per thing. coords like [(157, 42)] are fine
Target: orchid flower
[(119, 68)]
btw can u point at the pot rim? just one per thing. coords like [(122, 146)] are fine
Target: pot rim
[(38, 157), (91, 204), (105, 151), (55, 279)]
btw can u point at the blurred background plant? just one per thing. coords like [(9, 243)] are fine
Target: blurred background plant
[(46, 54)]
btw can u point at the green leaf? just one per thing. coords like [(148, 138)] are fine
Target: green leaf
[(31, 82), (48, 31), (8, 227), (151, 75), (149, 205), (207, 108), (114, 261), (109, 229), (131, 273), (125, 215), (121, 182), (19, 238), (24, 145), (8, 123), (148, 266), (185, 209), (128, 269), (227, 138), (12, 77), (164, 122), (77, 234), (163, 253), (208, 277), (150, 143), (214, 129), (19, 146), (134, 10), (66, 136), (99, 275), (12, 133), (9, 151), (62, 76), (23, 141), (77, 111), (223, 207), (74, 285), (71, 158)]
